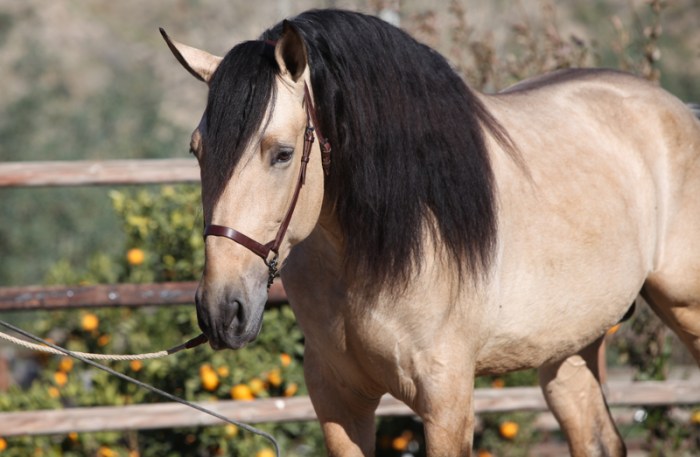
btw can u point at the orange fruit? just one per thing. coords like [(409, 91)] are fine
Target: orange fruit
[(103, 340), (223, 371), (285, 359), (136, 365), (3, 444), (291, 389), (484, 453), (54, 392), (614, 329), (231, 430), (65, 365), (209, 378), (695, 417), (135, 256), (498, 383), (274, 377), (241, 392), (509, 429), (60, 378), (266, 452), (73, 436), (104, 451), (89, 322), (400, 443), (257, 386)]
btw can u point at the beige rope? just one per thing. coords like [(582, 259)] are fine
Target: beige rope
[(196, 341), (150, 355)]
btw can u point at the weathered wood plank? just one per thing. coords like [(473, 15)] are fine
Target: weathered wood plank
[(150, 416), (170, 415), (93, 172), (103, 295)]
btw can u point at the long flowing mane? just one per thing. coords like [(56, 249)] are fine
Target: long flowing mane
[(409, 154)]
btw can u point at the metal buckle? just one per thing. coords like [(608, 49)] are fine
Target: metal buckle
[(273, 270)]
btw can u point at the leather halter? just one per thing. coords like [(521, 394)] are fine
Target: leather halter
[(264, 250)]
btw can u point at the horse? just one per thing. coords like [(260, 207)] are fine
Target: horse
[(426, 233)]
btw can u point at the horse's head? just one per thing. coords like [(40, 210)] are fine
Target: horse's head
[(253, 146)]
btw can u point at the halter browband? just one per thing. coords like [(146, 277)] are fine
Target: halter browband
[(264, 250)]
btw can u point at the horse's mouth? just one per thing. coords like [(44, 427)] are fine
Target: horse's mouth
[(233, 338)]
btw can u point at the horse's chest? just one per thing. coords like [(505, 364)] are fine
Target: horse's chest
[(354, 344)]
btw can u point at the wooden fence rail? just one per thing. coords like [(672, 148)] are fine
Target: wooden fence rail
[(94, 172), (171, 415), (27, 298)]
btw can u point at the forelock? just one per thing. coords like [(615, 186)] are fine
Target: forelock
[(240, 92)]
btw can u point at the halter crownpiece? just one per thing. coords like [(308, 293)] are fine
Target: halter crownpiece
[(323, 140), (269, 50), (264, 250)]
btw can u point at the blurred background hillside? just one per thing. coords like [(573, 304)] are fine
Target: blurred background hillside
[(93, 80)]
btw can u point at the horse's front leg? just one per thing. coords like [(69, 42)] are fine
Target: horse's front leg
[(450, 437), (346, 415), (447, 410)]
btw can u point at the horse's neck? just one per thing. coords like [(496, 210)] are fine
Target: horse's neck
[(317, 262), (327, 236), (317, 267)]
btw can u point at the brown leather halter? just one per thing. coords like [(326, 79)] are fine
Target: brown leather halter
[(264, 250)]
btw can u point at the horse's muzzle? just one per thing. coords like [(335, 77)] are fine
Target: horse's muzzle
[(227, 323)]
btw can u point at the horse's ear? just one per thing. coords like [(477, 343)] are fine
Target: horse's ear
[(200, 63), (290, 52)]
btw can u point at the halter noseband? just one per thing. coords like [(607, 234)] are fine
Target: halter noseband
[(264, 250)]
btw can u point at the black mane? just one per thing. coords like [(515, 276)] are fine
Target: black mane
[(409, 153)]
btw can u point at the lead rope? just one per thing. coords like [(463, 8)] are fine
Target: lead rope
[(194, 342), (46, 346)]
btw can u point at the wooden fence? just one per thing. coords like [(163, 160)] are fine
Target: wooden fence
[(170, 415), (91, 172), (162, 415), (99, 296)]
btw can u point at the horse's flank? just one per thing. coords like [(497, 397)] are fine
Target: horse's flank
[(599, 147)]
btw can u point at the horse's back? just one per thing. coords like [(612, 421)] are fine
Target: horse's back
[(637, 124), (613, 122)]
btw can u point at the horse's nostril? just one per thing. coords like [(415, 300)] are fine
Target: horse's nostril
[(232, 314)]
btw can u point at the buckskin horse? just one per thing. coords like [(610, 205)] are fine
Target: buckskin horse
[(427, 233)]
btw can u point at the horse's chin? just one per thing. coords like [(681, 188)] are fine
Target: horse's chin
[(234, 338)]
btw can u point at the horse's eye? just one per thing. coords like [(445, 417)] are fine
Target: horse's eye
[(283, 155)]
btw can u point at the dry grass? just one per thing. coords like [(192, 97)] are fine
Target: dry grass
[(535, 44)]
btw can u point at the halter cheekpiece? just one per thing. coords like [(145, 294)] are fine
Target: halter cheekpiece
[(269, 252)]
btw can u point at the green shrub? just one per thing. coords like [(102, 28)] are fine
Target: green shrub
[(163, 243)]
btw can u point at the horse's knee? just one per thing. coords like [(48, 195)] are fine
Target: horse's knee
[(449, 421), (449, 438), (345, 438), (574, 395), (347, 429)]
